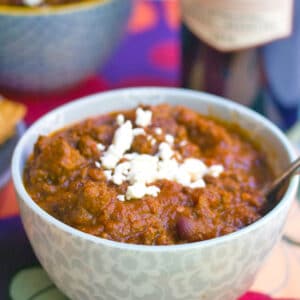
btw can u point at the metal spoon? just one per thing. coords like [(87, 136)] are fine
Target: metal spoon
[(273, 190)]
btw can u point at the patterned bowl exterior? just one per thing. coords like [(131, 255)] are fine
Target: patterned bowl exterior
[(86, 267), (50, 51)]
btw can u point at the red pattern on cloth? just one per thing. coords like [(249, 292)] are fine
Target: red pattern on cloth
[(37, 104), (259, 296)]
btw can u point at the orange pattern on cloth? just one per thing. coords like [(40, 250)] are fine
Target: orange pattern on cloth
[(172, 12), (143, 17), (8, 202)]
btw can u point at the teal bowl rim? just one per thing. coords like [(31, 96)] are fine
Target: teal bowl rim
[(24, 197), (10, 10)]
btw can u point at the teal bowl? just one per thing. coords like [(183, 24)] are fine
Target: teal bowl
[(45, 49)]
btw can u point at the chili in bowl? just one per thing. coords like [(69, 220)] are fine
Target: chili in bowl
[(151, 192)]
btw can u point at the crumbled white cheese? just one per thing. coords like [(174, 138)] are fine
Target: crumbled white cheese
[(215, 170), (158, 130), (121, 198), (118, 178), (178, 156), (169, 139), (123, 168), (108, 174), (123, 137), (32, 2), (120, 173), (136, 191), (100, 147), (151, 139), (152, 190), (168, 169), (183, 143), (138, 131), (97, 164), (183, 177), (120, 119), (194, 167), (139, 190), (143, 117), (143, 168), (165, 151), (197, 184), (111, 157), (140, 170), (122, 141), (130, 156)]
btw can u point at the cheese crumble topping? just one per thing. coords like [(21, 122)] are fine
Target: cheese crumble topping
[(169, 138), (120, 119), (100, 147), (121, 198), (121, 143), (183, 143), (158, 130), (140, 171), (139, 190), (143, 117), (138, 131), (97, 164)]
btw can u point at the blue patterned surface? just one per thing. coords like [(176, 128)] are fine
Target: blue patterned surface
[(52, 51)]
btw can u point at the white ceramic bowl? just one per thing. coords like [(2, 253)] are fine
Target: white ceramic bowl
[(87, 267)]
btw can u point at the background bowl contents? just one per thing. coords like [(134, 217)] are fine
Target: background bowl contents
[(35, 3), (50, 48), (88, 267)]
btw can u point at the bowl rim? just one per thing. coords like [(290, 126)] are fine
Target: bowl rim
[(24, 196), (28, 11)]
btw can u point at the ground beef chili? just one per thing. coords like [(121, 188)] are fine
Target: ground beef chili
[(62, 177)]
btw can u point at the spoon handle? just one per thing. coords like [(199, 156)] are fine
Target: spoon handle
[(291, 170)]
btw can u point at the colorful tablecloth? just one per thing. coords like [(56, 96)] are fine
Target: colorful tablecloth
[(148, 55)]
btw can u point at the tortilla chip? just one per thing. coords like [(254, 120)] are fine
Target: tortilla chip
[(11, 113)]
